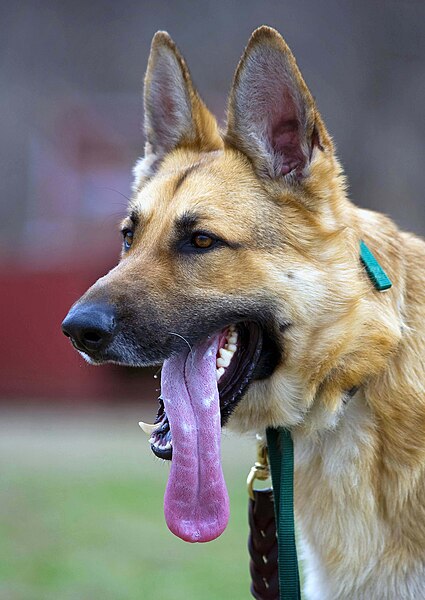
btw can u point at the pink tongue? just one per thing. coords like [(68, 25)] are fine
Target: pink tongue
[(196, 504)]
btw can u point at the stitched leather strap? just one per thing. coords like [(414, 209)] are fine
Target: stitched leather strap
[(262, 546)]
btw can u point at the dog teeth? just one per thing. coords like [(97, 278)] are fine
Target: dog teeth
[(226, 353), (222, 362), (219, 372), (148, 428), (225, 357)]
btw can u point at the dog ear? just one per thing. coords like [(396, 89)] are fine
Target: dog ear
[(272, 116), (175, 116)]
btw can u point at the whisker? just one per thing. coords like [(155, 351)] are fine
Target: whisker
[(116, 191), (183, 338)]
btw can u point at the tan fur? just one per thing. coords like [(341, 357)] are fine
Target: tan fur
[(360, 480)]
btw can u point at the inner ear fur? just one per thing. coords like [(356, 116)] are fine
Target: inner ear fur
[(175, 115), (272, 116)]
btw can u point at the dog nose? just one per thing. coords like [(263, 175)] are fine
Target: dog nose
[(90, 326)]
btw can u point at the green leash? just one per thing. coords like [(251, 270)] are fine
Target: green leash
[(281, 459)]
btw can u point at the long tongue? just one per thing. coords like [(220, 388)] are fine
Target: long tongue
[(196, 503)]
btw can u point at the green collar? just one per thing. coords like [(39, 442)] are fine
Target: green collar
[(376, 273)]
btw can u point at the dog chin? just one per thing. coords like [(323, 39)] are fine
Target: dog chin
[(104, 360), (88, 358), (124, 357)]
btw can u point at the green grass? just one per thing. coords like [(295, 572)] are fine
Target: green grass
[(81, 515)]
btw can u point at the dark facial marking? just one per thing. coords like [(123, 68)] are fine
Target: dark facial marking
[(134, 217), (184, 176), (186, 223)]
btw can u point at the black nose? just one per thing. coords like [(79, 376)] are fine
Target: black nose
[(90, 326)]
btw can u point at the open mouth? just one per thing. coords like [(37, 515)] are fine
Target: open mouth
[(200, 387), (239, 350)]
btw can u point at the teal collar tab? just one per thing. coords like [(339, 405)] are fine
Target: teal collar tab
[(376, 273)]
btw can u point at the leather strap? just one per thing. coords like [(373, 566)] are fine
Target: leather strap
[(262, 546)]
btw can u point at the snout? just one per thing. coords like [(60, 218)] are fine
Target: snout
[(90, 326)]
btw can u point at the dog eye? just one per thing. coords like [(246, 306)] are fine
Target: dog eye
[(202, 241), (128, 238)]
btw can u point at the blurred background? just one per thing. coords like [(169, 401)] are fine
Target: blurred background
[(80, 494)]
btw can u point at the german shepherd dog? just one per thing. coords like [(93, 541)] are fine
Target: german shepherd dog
[(240, 272)]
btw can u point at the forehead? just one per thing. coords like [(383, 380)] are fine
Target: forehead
[(211, 185)]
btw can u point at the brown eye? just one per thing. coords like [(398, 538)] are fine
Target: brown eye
[(200, 240), (128, 238)]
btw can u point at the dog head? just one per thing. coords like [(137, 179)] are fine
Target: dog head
[(244, 234)]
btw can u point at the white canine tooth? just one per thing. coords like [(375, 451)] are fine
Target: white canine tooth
[(224, 358), (232, 347), (219, 372), (167, 446), (232, 339), (225, 353), (148, 428), (152, 440)]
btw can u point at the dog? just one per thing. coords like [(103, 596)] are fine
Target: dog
[(240, 272)]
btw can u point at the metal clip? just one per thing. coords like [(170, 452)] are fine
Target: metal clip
[(260, 470)]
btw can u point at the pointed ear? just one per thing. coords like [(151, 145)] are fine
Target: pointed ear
[(174, 113), (272, 116)]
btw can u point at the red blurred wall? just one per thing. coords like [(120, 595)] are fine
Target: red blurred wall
[(37, 361)]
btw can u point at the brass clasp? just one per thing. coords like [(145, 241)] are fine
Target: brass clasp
[(260, 470)]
